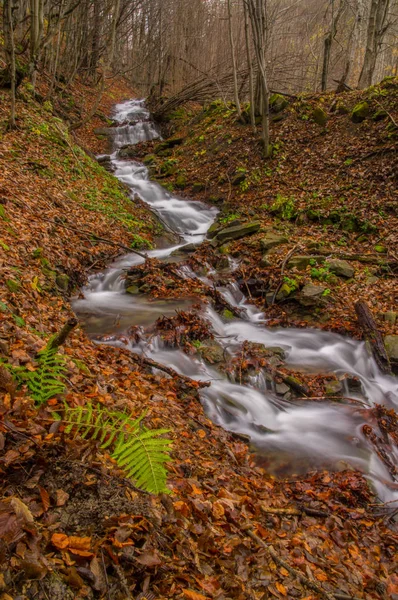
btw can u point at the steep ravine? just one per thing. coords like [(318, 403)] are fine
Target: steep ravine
[(314, 433)]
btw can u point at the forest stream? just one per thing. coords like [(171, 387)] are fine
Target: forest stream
[(303, 432)]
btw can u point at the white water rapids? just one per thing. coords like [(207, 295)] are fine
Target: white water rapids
[(324, 433)]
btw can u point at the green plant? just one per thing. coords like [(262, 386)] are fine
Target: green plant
[(228, 218), (47, 381), (292, 284), (141, 452), (321, 273), (284, 207)]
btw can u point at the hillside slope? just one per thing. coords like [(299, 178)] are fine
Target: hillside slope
[(71, 525)]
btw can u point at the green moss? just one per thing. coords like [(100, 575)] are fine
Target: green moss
[(319, 116), (181, 182), (277, 103), (360, 112), (13, 285)]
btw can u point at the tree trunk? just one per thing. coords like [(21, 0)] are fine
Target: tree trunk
[(256, 9), (250, 68), (377, 27), (331, 34), (233, 55)]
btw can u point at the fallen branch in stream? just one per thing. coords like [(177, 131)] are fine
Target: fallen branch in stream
[(148, 362), (372, 335)]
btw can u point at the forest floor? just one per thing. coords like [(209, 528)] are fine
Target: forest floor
[(71, 526)]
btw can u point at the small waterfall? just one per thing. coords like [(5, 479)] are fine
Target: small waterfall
[(317, 433)]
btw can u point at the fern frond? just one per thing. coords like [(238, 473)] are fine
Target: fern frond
[(141, 452), (47, 381)]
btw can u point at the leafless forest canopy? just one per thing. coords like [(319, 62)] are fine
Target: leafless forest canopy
[(163, 46)]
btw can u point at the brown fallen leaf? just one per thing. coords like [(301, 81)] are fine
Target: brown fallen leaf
[(45, 498), (194, 595), (149, 559)]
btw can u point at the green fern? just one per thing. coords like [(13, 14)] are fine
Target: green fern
[(47, 381), (139, 451)]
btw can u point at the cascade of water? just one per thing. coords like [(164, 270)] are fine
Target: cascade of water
[(311, 431)]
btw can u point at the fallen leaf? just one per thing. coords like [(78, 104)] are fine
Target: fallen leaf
[(194, 595), (148, 560), (281, 588), (45, 498)]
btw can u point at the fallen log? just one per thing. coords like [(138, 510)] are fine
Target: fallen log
[(60, 338), (372, 335), (148, 362)]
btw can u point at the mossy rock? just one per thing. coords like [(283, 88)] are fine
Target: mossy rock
[(227, 314), (380, 115), (360, 112), (342, 109), (238, 178), (198, 187), (278, 103), (181, 182), (149, 159), (62, 280), (319, 116)]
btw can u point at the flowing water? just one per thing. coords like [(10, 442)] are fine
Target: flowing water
[(302, 432)]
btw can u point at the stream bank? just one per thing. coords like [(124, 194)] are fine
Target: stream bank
[(193, 544)]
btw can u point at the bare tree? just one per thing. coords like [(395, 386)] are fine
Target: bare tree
[(377, 26)]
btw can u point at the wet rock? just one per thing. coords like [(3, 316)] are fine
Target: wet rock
[(302, 262), (237, 232), (342, 268), (391, 344), (319, 116), (103, 131), (276, 350), (213, 230), (106, 162), (62, 280), (211, 352), (128, 151), (133, 289), (312, 295), (271, 240), (333, 388), (277, 103), (227, 314), (282, 389), (360, 112)]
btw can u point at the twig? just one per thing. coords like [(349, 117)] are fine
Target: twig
[(106, 576), (290, 254), (279, 561), (123, 581)]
